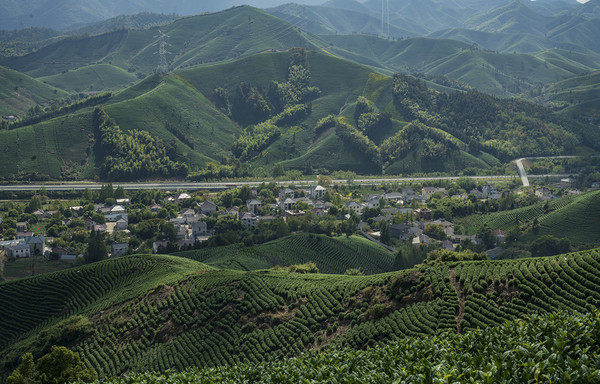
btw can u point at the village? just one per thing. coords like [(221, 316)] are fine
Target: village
[(182, 220)]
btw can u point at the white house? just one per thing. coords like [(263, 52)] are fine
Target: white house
[(354, 206), (118, 210), (543, 193), (188, 213), (373, 203), (121, 224), (199, 228), (317, 192), (36, 244), (183, 197), (249, 220)]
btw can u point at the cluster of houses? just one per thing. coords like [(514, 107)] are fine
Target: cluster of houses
[(191, 228)]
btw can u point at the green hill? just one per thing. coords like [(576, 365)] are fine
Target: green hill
[(92, 78), (154, 313), (515, 17), (574, 217), (138, 21), (221, 36), (331, 255), (19, 92), (180, 109), (578, 97), (166, 106), (487, 71), (331, 18)]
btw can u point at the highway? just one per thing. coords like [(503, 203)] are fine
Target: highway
[(189, 186)]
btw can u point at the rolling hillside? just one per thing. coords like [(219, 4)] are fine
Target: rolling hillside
[(578, 97), (92, 78), (195, 40), (67, 14), (193, 316), (19, 92), (179, 108), (331, 255), (336, 18), (487, 71), (575, 217)]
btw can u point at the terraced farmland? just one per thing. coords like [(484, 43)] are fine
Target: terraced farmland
[(332, 255), (154, 313), (576, 217)]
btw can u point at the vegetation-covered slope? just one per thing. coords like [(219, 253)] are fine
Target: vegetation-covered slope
[(92, 78), (493, 354), (19, 92), (575, 217), (199, 112), (184, 315), (331, 255), (578, 97), (221, 36)]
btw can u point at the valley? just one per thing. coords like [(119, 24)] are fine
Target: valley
[(319, 191)]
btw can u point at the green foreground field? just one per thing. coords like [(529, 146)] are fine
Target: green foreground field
[(156, 313)]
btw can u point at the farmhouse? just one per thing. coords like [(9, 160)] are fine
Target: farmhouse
[(19, 250), (254, 206), (208, 208), (119, 249)]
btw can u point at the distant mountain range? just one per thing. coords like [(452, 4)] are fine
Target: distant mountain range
[(66, 14)]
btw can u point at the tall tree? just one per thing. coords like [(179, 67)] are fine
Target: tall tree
[(97, 250)]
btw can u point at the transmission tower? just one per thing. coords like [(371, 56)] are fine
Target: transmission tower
[(385, 18), (388, 18), (163, 64)]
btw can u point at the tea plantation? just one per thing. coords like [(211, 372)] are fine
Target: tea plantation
[(330, 254), (158, 313)]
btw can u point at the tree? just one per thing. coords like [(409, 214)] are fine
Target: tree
[(385, 233), (278, 170), (435, 231), (61, 365), (106, 191), (34, 204), (10, 234), (119, 193), (549, 245), (97, 250)]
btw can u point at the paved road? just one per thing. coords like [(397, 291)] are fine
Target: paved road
[(521, 168), (173, 186), (522, 172)]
